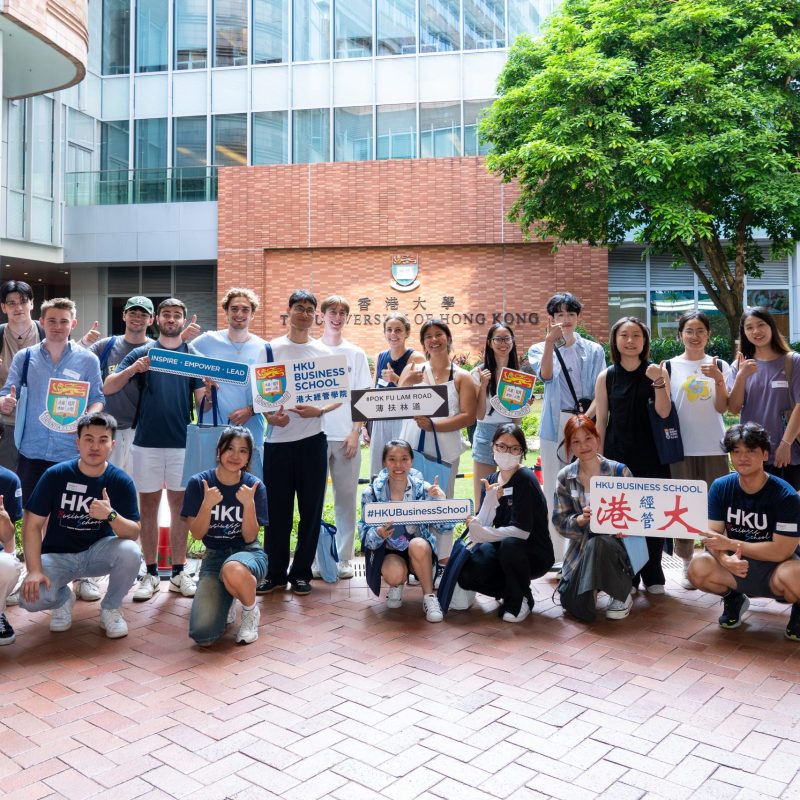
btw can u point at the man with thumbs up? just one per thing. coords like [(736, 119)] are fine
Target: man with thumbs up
[(82, 520), (754, 532)]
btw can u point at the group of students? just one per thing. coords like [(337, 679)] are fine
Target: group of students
[(81, 515)]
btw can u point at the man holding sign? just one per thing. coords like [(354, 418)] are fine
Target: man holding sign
[(753, 533)]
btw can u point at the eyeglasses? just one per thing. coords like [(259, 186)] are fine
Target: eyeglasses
[(309, 311), (514, 449), (17, 304), (502, 339)]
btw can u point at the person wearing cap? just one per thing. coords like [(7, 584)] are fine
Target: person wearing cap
[(159, 443)]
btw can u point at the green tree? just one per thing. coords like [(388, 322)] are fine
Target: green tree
[(678, 120)]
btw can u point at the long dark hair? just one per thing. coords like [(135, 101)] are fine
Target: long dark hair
[(490, 362), (777, 342), (644, 356)]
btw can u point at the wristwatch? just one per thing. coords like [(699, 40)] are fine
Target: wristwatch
[(112, 516)]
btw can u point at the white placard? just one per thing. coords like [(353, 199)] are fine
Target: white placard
[(312, 382), (666, 507), (416, 512)]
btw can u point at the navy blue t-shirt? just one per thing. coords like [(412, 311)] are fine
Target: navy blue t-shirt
[(225, 527), (11, 492), (65, 493), (166, 405), (774, 509)]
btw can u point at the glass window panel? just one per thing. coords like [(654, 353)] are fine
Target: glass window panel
[(439, 130), (665, 309), (114, 145), (484, 24), (353, 133), (15, 215), (230, 140), (230, 33), (526, 16), (270, 137), (719, 325), (151, 144), (78, 159), (41, 220), (270, 31), (472, 113), (312, 30), (626, 304), (189, 142), (776, 301), (438, 26), (116, 58), (16, 144), (191, 31), (42, 155), (311, 136), (81, 129), (397, 27), (353, 26), (397, 131), (151, 35)]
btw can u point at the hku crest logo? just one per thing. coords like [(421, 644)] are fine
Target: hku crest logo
[(404, 273), (271, 382)]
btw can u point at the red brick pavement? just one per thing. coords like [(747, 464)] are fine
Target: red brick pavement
[(343, 698)]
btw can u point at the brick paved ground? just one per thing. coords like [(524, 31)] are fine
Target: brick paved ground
[(341, 698)]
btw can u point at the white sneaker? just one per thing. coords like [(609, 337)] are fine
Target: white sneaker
[(183, 583), (432, 609), (395, 597), (619, 609), (656, 588), (344, 569), (462, 599), (13, 598), (61, 617), (86, 589), (148, 586), (232, 612), (248, 627), (524, 612), (112, 621), (684, 581)]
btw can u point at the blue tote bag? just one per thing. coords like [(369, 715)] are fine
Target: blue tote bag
[(431, 467), (201, 441)]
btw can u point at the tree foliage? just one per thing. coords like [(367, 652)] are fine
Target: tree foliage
[(678, 120)]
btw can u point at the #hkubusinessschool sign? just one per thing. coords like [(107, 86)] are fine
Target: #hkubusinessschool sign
[(665, 507), (399, 403), (312, 382), (196, 366), (417, 512)]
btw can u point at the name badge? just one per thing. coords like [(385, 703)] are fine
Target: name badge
[(77, 487), (780, 384), (382, 382), (508, 491), (70, 373)]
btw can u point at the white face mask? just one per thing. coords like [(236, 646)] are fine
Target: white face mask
[(506, 460)]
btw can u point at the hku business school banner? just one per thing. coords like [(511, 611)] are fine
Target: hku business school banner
[(312, 382)]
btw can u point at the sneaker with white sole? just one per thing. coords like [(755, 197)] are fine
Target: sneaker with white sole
[(462, 599), (113, 623), (656, 588), (619, 609), (183, 583), (148, 586), (684, 581), (7, 635), (232, 611), (61, 617), (86, 589), (344, 569), (395, 597), (13, 598), (248, 627), (432, 609), (524, 612)]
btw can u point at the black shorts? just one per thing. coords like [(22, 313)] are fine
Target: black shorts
[(404, 555), (756, 584)]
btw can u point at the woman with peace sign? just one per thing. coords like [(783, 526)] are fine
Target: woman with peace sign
[(225, 507)]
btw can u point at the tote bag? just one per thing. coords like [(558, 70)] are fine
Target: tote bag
[(327, 553), (459, 556), (201, 441), (666, 434), (429, 466)]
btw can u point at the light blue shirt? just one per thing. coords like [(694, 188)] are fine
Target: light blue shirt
[(216, 344), (76, 364), (592, 363)]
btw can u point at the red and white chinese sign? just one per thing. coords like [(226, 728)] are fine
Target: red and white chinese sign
[(667, 507)]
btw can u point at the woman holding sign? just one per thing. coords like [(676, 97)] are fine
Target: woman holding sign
[(499, 352), (389, 365), (226, 507), (401, 549)]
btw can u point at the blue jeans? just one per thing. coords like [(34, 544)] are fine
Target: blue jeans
[(212, 601), (117, 558)]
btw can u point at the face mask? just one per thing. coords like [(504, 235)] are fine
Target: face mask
[(506, 460)]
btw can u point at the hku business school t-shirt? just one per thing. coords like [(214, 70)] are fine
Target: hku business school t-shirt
[(225, 527), (65, 494)]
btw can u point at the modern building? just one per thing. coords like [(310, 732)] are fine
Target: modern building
[(285, 143)]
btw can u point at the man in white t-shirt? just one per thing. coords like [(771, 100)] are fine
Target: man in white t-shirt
[(295, 461), (344, 453)]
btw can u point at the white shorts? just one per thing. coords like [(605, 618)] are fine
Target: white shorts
[(155, 467)]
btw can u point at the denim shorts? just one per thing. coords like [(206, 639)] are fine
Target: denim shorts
[(482, 442), (252, 556)]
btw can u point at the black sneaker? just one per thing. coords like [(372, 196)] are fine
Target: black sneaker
[(300, 586), (7, 635), (793, 628), (268, 586), (734, 604)]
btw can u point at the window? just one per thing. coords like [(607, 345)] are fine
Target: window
[(191, 30), (626, 304), (397, 131), (189, 142), (353, 133), (312, 30), (719, 325), (397, 27), (270, 137), (353, 25), (151, 35), (439, 130), (80, 145), (114, 145), (150, 158), (42, 170), (484, 24), (311, 136), (15, 213), (776, 301), (230, 33), (526, 16), (438, 26), (665, 309), (116, 37), (270, 31), (230, 140), (472, 113)]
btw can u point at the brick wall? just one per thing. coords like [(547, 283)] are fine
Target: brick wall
[(336, 227)]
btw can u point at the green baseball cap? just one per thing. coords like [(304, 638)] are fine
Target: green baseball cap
[(140, 302)]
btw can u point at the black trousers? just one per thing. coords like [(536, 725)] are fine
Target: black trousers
[(294, 469), (29, 470)]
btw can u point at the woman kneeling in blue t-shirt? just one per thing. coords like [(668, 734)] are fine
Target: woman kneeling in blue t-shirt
[(225, 508)]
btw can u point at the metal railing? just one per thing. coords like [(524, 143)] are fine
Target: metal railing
[(128, 186)]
